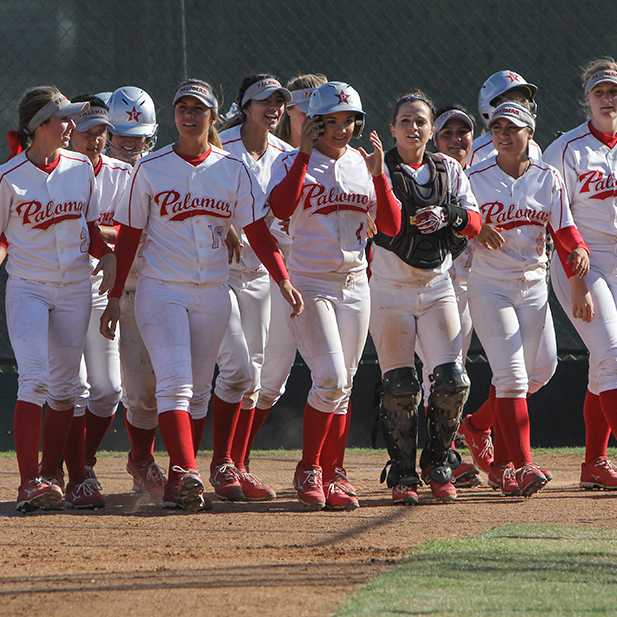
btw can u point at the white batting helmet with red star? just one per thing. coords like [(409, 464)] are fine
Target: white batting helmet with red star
[(132, 112), (497, 85), (336, 96)]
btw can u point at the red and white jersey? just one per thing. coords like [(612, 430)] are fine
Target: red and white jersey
[(483, 149), (328, 228), (589, 170), (44, 217), (231, 140), (386, 265), (186, 210), (522, 208)]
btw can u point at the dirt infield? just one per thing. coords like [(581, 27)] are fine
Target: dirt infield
[(134, 559)]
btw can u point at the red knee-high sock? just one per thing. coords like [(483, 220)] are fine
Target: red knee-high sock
[(316, 427), (55, 434), (261, 415), (608, 400), (334, 446), (501, 456), (27, 434), (597, 430), (75, 449), (142, 443), (239, 449), (482, 420), (96, 429), (175, 427), (513, 419), (225, 416), (197, 432)]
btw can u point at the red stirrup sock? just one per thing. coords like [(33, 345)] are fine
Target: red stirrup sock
[(75, 449), (597, 430), (501, 455), (482, 420), (513, 419), (175, 427), (261, 415), (55, 434), (239, 449), (225, 416), (197, 432), (96, 429), (333, 449), (316, 427), (608, 400), (142, 443), (27, 434)]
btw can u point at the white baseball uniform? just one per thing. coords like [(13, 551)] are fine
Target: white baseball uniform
[(99, 372), (250, 283), (414, 309), (507, 287), (182, 299), (589, 169), (327, 264), (44, 217)]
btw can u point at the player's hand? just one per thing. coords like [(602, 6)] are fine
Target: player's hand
[(371, 226), (579, 260), (582, 303), (430, 219), (284, 225), (292, 296), (490, 237), (107, 265), (109, 318), (311, 130), (234, 245), (375, 160)]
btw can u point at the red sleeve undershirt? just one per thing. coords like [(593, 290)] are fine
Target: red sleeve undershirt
[(266, 248), (566, 240), (97, 247), (286, 195), (388, 219), (474, 224), (127, 244)]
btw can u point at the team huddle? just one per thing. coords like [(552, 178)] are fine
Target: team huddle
[(135, 272)]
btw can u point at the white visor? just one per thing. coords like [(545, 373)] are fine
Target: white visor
[(59, 106), (452, 114), (263, 89), (515, 113), (609, 75), (201, 93), (300, 98), (92, 117)]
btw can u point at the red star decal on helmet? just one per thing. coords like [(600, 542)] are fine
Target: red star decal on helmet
[(512, 76), (134, 114), (343, 97)]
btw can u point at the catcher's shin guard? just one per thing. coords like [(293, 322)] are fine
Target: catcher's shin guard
[(449, 392), (399, 421)]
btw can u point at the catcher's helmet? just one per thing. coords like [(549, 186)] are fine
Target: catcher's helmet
[(336, 96), (499, 83), (132, 113)]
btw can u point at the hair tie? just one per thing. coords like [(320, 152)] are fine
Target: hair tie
[(15, 143)]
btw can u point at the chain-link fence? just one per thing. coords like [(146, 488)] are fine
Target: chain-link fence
[(383, 48)]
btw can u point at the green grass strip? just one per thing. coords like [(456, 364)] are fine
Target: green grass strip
[(515, 570)]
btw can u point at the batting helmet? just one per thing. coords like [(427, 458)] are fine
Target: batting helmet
[(498, 84), (336, 96), (132, 113), (104, 96)]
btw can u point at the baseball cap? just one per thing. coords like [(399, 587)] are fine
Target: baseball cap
[(264, 88), (451, 114), (609, 75), (93, 116), (198, 91), (300, 98), (518, 114), (58, 106)]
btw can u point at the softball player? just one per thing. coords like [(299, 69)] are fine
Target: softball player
[(100, 363), (519, 199), (261, 103), (586, 156), (185, 196), (326, 190), (48, 206), (412, 298)]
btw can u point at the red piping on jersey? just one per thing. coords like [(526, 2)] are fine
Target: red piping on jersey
[(285, 196), (6, 173), (481, 171), (266, 248), (127, 170), (98, 166), (196, 160), (608, 139), (567, 239), (97, 247), (126, 249), (336, 207), (388, 218)]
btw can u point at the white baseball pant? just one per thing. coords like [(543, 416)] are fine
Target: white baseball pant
[(182, 326), (331, 333), (138, 381), (509, 317), (99, 371), (47, 326), (252, 291), (600, 334), (280, 352), (405, 318)]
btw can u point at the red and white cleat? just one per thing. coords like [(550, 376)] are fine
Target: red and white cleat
[(148, 477), (340, 477), (480, 444), (225, 479), (39, 494), (84, 496), (601, 474), (254, 489), (405, 495), (530, 479), (309, 486), (466, 476), (185, 491), (339, 499)]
